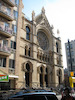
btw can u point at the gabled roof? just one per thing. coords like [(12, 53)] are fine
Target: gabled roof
[(41, 20)]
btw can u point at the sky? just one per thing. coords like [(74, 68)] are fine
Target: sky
[(60, 14)]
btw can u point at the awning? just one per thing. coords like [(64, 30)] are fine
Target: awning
[(73, 79), (13, 76)]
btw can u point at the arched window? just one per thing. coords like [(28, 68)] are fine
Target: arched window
[(29, 51), (25, 50), (57, 49), (41, 69), (37, 54), (27, 67), (27, 33)]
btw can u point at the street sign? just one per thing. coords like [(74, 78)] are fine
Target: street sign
[(4, 78)]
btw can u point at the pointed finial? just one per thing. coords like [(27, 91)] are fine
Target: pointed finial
[(43, 10), (58, 31), (33, 15), (52, 27)]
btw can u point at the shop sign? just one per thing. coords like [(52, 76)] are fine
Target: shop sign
[(4, 78)]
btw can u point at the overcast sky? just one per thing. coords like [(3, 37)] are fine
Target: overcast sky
[(60, 14)]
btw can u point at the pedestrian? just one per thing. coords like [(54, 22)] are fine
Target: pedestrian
[(67, 95), (72, 91)]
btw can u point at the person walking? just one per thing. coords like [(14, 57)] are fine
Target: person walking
[(66, 95)]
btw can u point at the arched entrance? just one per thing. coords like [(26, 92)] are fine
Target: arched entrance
[(41, 77), (28, 75), (59, 76)]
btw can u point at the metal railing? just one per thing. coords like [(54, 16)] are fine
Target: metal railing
[(13, 1), (5, 11), (5, 48), (6, 29)]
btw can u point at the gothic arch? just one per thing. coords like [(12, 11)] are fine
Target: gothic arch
[(57, 47), (43, 76), (28, 69), (28, 26)]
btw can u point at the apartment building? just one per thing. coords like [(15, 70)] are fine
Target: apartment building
[(70, 56), (9, 16), (30, 55)]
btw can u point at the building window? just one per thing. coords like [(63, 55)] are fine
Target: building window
[(25, 51), (72, 53), (41, 69), (27, 33), (71, 46), (17, 2), (6, 26), (11, 63), (29, 52), (72, 59), (9, 11), (68, 54), (28, 67), (2, 62), (14, 28), (57, 47), (67, 47), (69, 61), (13, 45), (15, 14), (5, 42)]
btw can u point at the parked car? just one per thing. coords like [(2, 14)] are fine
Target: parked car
[(33, 95)]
